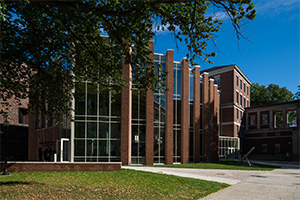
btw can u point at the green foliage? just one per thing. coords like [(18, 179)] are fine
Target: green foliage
[(45, 43), (262, 95), (123, 184)]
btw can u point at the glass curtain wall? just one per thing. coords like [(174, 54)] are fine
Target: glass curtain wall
[(97, 131), (177, 73), (191, 116), (159, 117), (138, 143)]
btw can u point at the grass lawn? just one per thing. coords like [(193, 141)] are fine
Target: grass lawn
[(224, 164), (123, 184)]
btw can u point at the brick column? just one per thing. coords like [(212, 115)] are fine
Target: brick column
[(150, 118), (215, 134), (258, 119), (211, 120), (271, 119), (197, 116), (205, 117), (247, 120), (185, 112), (169, 109), (284, 118), (126, 116)]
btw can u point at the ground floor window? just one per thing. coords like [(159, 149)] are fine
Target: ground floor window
[(229, 147)]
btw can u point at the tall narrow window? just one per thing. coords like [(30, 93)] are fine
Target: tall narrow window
[(237, 80), (237, 97), (241, 84)]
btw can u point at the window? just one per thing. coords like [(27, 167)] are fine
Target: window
[(244, 102), (292, 118), (237, 130), (22, 113), (237, 80), (247, 103), (252, 120), (264, 148), (237, 113), (244, 87), (277, 148), (241, 84), (247, 90), (241, 100), (241, 115), (217, 80), (237, 97), (264, 119)]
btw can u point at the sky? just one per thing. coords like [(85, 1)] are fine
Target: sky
[(271, 53)]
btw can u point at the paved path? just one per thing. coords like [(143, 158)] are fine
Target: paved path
[(281, 183)]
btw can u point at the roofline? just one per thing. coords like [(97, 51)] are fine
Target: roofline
[(276, 104), (226, 68)]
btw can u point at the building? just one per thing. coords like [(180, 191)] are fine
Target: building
[(273, 130), (234, 88), (17, 131), (135, 126)]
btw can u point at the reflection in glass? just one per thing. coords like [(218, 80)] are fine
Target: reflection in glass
[(103, 102), (92, 130), (103, 130), (80, 99), (115, 130), (79, 147), (92, 148), (79, 129), (91, 99)]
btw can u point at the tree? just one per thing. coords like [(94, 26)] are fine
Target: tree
[(262, 95), (45, 43)]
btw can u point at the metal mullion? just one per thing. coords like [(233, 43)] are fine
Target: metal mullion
[(98, 113), (109, 124), (85, 123)]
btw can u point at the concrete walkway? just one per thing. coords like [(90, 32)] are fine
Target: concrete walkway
[(283, 183)]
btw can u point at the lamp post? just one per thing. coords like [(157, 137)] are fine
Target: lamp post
[(6, 124)]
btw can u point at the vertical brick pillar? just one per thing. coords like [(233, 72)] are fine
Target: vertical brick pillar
[(215, 134), (271, 119), (284, 118), (169, 108), (185, 112), (33, 143), (126, 116), (150, 118), (247, 120), (258, 121), (197, 116), (205, 116), (211, 120)]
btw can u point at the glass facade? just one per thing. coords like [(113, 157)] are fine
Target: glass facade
[(97, 124), (138, 127), (177, 72), (159, 117)]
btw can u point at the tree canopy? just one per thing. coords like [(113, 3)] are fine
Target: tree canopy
[(271, 94), (45, 43)]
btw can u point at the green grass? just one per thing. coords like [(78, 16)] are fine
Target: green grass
[(225, 164), (123, 184)]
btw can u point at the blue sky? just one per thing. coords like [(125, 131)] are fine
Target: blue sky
[(272, 54)]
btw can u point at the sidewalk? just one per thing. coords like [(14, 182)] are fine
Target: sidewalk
[(283, 183)]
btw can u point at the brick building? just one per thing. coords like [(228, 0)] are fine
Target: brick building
[(234, 87), (17, 131), (273, 130), (135, 126)]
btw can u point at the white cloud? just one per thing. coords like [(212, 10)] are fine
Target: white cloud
[(274, 7)]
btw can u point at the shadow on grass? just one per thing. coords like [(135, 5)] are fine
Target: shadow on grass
[(13, 183)]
